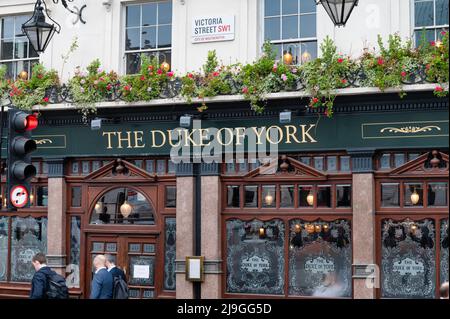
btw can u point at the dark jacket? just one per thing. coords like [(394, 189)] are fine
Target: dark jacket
[(102, 285), (39, 283), (117, 272)]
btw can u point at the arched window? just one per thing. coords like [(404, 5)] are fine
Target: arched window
[(123, 206)]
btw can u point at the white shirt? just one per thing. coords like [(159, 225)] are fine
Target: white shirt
[(100, 269)]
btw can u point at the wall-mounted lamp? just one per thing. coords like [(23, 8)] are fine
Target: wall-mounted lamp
[(285, 116), (268, 199), (186, 121)]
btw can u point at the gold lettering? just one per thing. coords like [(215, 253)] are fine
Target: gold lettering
[(138, 136), (258, 134), (291, 134), (280, 134), (219, 136), (188, 137), (109, 138), (169, 132), (127, 139), (305, 133), (204, 136), (240, 133), (154, 138)]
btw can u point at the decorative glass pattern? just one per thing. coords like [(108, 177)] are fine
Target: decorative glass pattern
[(161, 167), (75, 168), (148, 294), (133, 248), (399, 159), (229, 168), (345, 163), (142, 262), (305, 160), (111, 247), (98, 247), (3, 247), (149, 248), (134, 293), (320, 258), (170, 254), (73, 269), (149, 166), (76, 196), (85, 167), (331, 163), (255, 257), (318, 163), (287, 193), (96, 165), (385, 161), (29, 237), (444, 251), (408, 259)]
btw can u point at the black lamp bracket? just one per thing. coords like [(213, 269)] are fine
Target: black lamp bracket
[(76, 11)]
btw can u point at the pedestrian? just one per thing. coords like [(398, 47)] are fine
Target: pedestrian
[(102, 282), (113, 269), (46, 283), (444, 290), (120, 287)]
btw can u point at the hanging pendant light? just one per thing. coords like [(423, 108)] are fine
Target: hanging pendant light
[(38, 30), (339, 10), (126, 209), (310, 198), (268, 199), (415, 197)]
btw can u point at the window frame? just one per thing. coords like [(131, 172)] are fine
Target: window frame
[(14, 60), (124, 29), (434, 27)]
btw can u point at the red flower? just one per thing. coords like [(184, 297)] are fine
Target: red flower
[(380, 61), (39, 76), (11, 94), (275, 68), (150, 68), (340, 60), (439, 88), (109, 87), (190, 75), (443, 33), (127, 88), (215, 74), (159, 71), (45, 99), (432, 43), (344, 81), (403, 74), (245, 90), (428, 66), (170, 74), (142, 78)]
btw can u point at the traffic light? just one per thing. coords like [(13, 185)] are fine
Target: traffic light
[(20, 147)]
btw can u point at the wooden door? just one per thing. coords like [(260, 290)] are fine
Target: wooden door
[(136, 256)]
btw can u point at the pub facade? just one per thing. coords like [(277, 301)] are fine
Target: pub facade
[(350, 206)]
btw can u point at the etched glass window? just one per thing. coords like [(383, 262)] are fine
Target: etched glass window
[(287, 194), (345, 163), (73, 269), (408, 259), (171, 196), (255, 257), (138, 263), (413, 194), (320, 258), (170, 254), (385, 161), (444, 251), (123, 206), (29, 237), (343, 196), (76, 196), (4, 221)]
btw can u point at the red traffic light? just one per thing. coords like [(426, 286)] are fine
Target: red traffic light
[(31, 122)]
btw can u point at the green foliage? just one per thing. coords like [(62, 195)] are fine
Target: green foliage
[(27, 93)]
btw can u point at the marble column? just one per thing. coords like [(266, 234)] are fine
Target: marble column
[(210, 232), (56, 216), (185, 228), (364, 253)]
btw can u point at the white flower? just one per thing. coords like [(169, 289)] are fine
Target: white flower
[(82, 81), (149, 89)]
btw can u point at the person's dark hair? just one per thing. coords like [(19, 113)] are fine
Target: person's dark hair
[(39, 257), (110, 259), (444, 290)]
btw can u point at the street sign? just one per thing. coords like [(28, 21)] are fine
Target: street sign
[(19, 196)]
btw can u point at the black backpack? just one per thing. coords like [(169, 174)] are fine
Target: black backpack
[(56, 287), (120, 288)]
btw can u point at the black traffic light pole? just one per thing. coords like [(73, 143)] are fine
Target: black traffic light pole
[(1, 143)]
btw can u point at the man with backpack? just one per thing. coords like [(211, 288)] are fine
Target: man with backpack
[(46, 283), (120, 287)]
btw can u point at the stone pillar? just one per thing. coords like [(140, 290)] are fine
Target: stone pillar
[(185, 227), (56, 216), (210, 232), (364, 253)]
